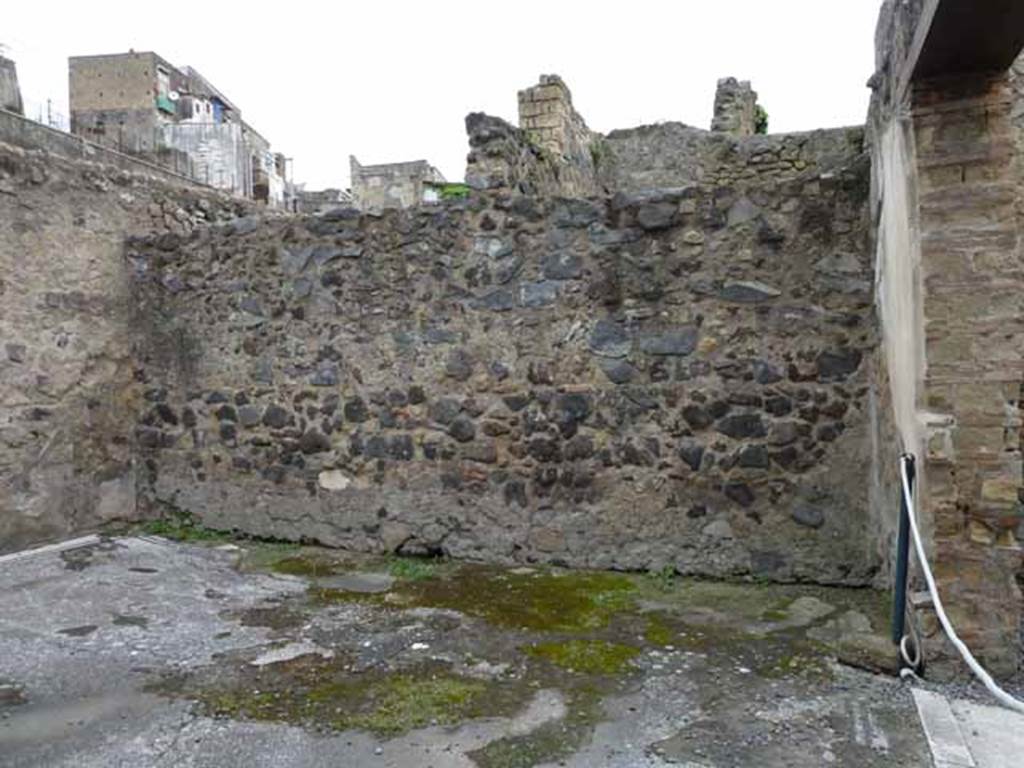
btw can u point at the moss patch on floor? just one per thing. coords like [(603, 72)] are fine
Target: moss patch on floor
[(325, 694), (592, 657), (545, 600), (306, 566)]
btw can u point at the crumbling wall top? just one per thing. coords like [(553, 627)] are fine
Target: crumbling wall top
[(735, 108)]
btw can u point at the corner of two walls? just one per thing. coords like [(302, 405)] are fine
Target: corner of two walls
[(68, 382)]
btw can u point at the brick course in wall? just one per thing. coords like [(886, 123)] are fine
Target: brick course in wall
[(969, 192)]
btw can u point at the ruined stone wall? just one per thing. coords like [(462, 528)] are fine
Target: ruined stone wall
[(673, 154), (552, 152), (652, 157), (68, 395), (501, 156), (675, 378)]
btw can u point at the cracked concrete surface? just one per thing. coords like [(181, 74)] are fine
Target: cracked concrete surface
[(139, 652)]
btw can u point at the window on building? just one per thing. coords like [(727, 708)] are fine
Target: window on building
[(163, 81)]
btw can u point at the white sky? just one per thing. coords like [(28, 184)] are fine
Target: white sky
[(392, 80)]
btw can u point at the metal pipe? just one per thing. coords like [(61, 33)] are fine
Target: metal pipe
[(899, 602)]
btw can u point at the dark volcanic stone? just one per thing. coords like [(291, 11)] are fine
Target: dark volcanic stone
[(462, 429), (653, 216), (747, 292), (787, 457), (778, 405), (697, 416), (718, 409), (375, 447), (276, 417), (516, 403), (740, 493), (314, 441), (692, 453), (323, 254), (515, 493), (325, 376), (249, 416), (251, 305), (679, 342), (444, 411), (562, 266), (811, 517), (355, 410), (541, 293), (609, 339), (499, 370), (827, 432), (166, 414), (294, 262), (837, 365), (401, 447), (742, 425), (417, 395), (500, 300), (440, 336), (753, 457), (571, 409), (576, 213), (618, 371), (227, 413), (766, 373), (580, 447), (544, 448)]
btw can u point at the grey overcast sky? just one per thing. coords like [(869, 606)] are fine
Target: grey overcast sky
[(391, 80)]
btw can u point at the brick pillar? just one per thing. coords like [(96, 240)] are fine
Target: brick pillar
[(735, 108), (973, 289), (552, 124), (547, 114)]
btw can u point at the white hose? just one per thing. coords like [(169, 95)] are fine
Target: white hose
[(1004, 698)]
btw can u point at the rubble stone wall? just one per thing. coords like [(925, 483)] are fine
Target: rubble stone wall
[(68, 396), (673, 154), (676, 377)]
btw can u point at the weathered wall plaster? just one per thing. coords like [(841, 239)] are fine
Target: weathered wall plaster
[(68, 395)]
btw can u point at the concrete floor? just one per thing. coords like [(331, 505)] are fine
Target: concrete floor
[(143, 652)]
